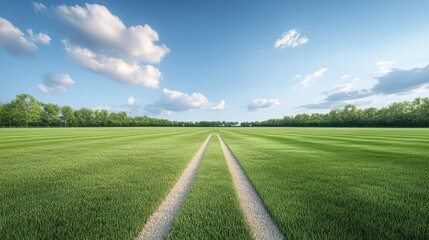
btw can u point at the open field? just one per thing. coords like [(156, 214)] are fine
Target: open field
[(323, 183), (339, 183), (88, 183)]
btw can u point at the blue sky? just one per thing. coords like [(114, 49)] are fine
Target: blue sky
[(215, 60)]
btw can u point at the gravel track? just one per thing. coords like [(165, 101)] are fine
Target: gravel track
[(261, 224), (160, 221)]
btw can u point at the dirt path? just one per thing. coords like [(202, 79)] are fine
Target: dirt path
[(260, 222), (159, 222)]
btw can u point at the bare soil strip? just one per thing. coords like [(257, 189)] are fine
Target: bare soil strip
[(259, 220), (160, 221)]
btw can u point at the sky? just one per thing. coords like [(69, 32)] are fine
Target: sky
[(215, 60)]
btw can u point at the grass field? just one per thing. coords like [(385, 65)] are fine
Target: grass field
[(211, 210), (339, 183), (88, 183), (317, 183)]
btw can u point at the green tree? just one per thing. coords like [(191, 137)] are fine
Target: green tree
[(67, 115), (85, 117), (50, 113), (26, 109), (101, 117), (9, 113)]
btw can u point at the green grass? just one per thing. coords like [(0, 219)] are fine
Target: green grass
[(327, 183), (88, 183), (211, 209), (317, 183)]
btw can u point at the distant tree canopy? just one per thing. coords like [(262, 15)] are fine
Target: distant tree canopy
[(26, 111), (402, 114)]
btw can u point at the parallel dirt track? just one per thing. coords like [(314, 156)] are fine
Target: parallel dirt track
[(160, 221), (259, 220)]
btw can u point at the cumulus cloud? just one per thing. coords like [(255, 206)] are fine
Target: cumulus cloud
[(116, 68), (100, 42), (16, 42), (262, 103), (220, 106), (131, 101), (176, 101), (55, 83), (399, 81), (309, 78), (396, 81), (291, 38)]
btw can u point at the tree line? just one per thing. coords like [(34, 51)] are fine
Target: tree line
[(400, 114), (26, 111)]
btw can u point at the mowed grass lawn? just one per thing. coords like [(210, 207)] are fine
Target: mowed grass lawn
[(88, 183), (211, 209), (328, 183)]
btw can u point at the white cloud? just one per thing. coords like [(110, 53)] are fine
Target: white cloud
[(115, 68), (261, 103), (55, 83), (219, 106), (100, 42), (176, 101), (40, 38), (396, 81), (291, 38), (309, 79), (16, 42), (384, 66), (131, 101)]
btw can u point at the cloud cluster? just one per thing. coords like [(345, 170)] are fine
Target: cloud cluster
[(262, 103), (399, 81), (100, 42), (178, 101), (16, 42), (55, 83), (291, 38), (395, 81), (175, 101)]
